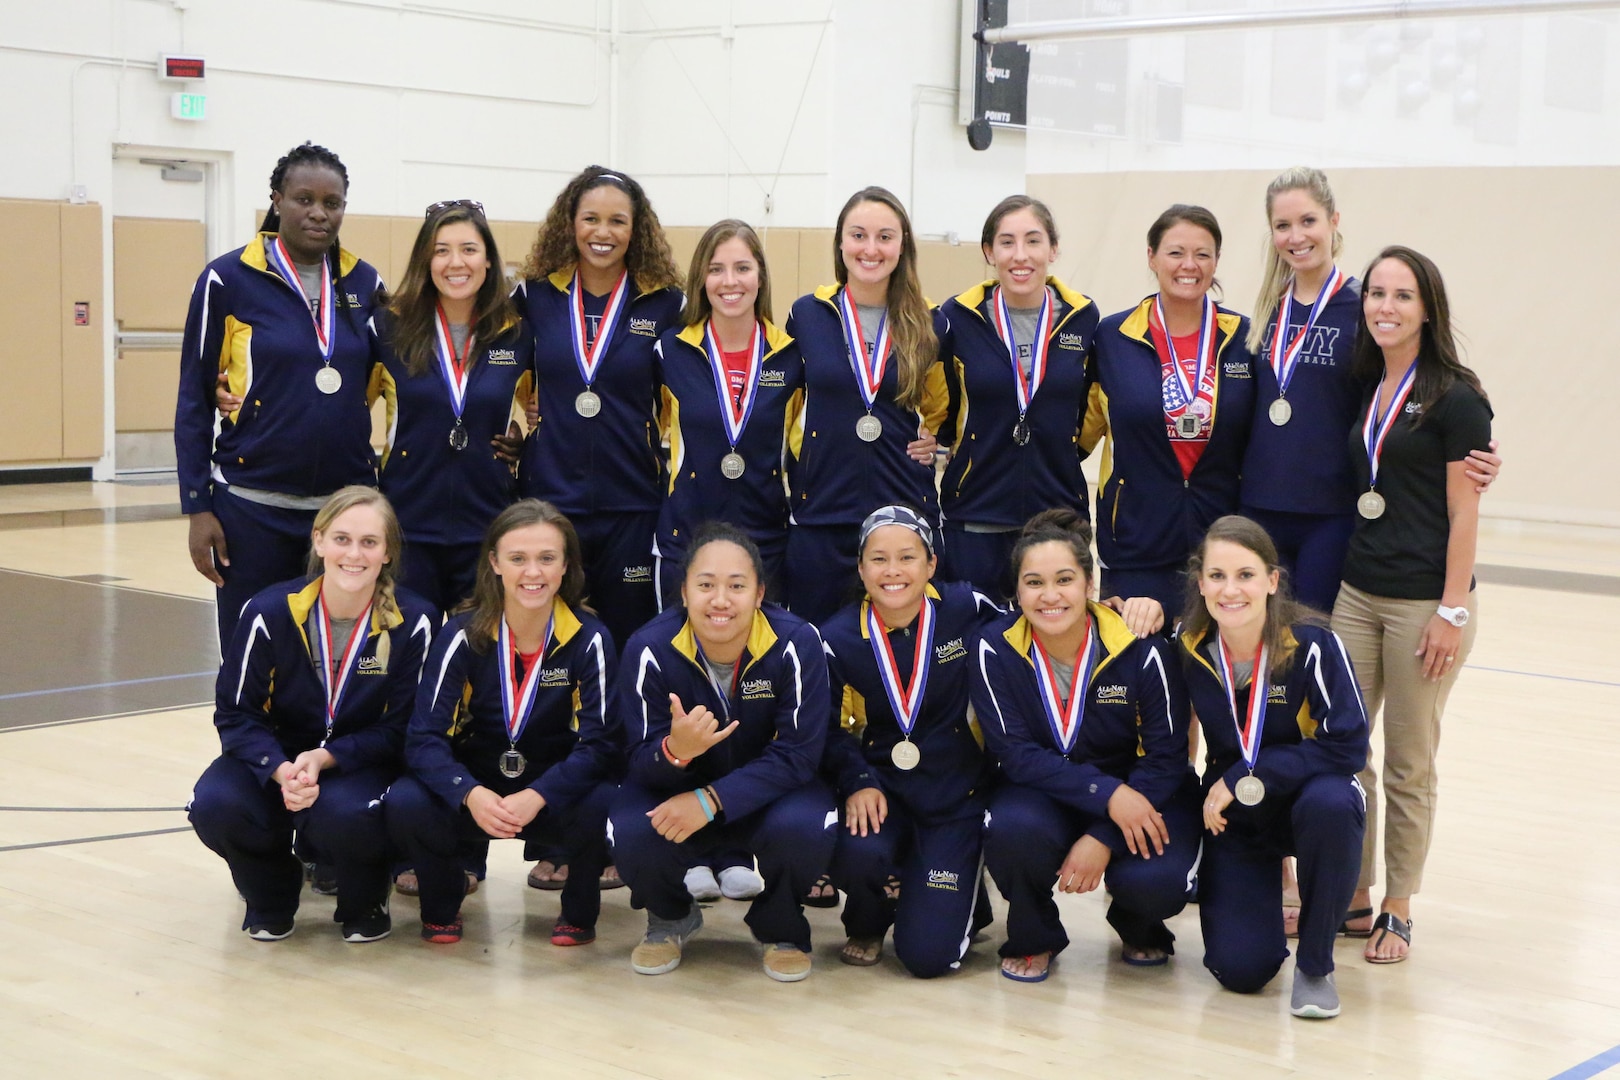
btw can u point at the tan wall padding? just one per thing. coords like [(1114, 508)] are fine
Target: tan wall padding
[(31, 360), (147, 381), (83, 378)]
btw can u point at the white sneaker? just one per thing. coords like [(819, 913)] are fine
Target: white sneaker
[(701, 884), (741, 883)]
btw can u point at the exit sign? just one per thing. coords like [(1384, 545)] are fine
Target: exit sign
[(188, 106)]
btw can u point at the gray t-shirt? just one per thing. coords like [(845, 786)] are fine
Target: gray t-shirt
[(871, 318), (721, 674), (459, 332), (1065, 677), (342, 630), (309, 275), (1024, 321)]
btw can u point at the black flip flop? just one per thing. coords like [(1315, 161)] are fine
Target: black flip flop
[(822, 882), (1358, 913), (1388, 923)]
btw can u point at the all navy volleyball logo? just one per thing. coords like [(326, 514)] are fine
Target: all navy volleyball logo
[(1320, 347), (371, 665), (753, 689), (1413, 408), (1236, 369), (554, 676), (1071, 341), (1113, 694), (944, 879), (954, 649), (773, 377), (644, 327), (503, 357)]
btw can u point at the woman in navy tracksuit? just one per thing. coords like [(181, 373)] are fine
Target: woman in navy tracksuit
[(452, 358), (598, 289), (1176, 411), (281, 323), (874, 398), (311, 707), (727, 379), (724, 706), (513, 731), (1089, 726), (1017, 350), (1280, 775), (905, 757)]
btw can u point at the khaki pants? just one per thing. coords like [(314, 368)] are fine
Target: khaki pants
[(1382, 636)]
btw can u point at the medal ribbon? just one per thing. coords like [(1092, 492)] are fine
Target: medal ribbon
[(322, 642), (517, 700), (1178, 393), (453, 367), (1064, 717), (1253, 723), (1285, 359), (906, 701), (589, 357), (868, 371), (1038, 348), (735, 412), (325, 327), (1375, 429)]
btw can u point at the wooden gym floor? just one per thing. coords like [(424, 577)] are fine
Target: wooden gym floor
[(120, 952)]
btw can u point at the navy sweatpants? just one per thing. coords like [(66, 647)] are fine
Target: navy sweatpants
[(792, 838), (438, 839), (820, 574), (265, 544), (617, 551), (938, 865), (982, 558), (1028, 836), (1167, 585), (441, 574), (1312, 549), (1240, 888), (247, 824)]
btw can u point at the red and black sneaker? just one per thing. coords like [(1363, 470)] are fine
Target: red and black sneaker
[(565, 933), (442, 934)]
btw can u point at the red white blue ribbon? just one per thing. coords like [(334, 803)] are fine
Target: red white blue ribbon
[(453, 367), (322, 643), (1065, 717), (905, 700), (1252, 724), (868, 370), (735, 409), (1179, 393), (325, 325), (1375, 429), (517, 698), (1285, 358), (1038, 348), (588, 351)]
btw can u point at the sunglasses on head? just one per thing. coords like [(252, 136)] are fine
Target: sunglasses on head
[(472, 204)]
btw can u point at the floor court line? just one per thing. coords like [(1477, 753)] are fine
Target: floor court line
[(91, 809), (1542, 675), (1602, 1063), (93, 839), (107, 685), (105, 716)]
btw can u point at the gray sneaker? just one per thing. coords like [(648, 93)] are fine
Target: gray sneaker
[(1315, 996), (660, 950)]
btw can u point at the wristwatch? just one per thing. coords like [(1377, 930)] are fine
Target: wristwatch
[(1456, 616)]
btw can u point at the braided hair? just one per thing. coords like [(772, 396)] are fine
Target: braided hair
[(309, 153)]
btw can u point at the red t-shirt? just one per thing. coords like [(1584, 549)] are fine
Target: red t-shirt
[(1188, 451), (736, 371)]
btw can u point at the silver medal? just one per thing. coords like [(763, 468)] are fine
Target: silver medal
[(732, 466), (1021, 431), (328, 380), (1280, 412), (458, 437), (1370, 505), (1189, 426), (905, 755), (1250, 790), (869, 428), (513, 763), (587, 404)]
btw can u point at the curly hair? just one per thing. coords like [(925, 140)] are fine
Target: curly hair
[(649, 260)]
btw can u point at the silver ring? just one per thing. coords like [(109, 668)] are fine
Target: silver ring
[(1449, 659)]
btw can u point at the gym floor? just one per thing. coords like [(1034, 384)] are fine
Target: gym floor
[(121, 952)]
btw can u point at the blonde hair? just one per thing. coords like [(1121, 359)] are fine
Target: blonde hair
[(1314, 183), (382, 596)]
